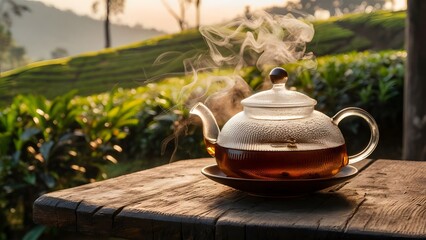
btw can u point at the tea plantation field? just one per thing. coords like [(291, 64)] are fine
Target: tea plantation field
[(132, 66)]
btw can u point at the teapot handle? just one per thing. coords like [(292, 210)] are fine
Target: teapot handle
[(374, 137)]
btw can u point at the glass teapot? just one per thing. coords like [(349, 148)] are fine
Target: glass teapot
[(279, 135)]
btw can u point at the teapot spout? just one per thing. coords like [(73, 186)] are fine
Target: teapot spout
[(210, 127)]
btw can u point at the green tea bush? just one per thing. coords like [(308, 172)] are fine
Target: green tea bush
[(50, 145), (164, 128), (372, 81)]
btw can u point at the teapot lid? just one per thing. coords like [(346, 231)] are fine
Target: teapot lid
[(278, 96)]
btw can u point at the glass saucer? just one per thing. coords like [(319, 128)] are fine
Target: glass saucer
[(281, 187)]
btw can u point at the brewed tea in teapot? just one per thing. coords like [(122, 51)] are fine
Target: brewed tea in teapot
[(279, 135)]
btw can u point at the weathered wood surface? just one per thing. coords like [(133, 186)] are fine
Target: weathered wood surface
[(386, 200)]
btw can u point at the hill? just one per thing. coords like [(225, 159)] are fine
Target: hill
[(77, 34), (132, 65)]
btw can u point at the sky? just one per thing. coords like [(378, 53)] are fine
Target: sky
[(153, 14)]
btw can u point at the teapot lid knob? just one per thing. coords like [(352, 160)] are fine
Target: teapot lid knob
[(278, 96), (278, 75)]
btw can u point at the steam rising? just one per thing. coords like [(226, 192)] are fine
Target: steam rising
[(262, 39)]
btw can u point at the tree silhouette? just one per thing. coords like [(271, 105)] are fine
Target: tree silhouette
[(197, 16), (112, 7), (5, 40), (17, 55), (10, 6), (59, 52), (5, 43), (180, 16), (7, 8)]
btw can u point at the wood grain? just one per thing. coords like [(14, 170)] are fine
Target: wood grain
[(395, 200), (373, 205), (387, 199)]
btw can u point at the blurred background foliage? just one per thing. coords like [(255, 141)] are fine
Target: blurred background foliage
[(52, 138)]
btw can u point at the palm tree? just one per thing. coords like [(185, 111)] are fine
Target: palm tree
[(112, 7)]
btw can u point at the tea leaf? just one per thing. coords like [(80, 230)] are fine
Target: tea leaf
[(29, 133), (45, 149), (34, 233)]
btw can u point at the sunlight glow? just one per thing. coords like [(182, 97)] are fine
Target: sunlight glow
[(153, 14)]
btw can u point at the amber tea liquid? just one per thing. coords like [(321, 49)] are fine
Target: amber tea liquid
[(281, 165)]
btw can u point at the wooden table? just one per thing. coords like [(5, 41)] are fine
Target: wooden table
[(386, 200)]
